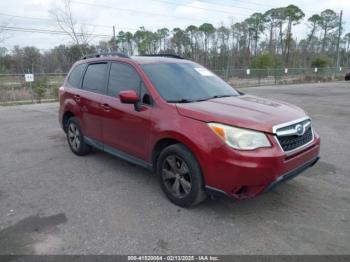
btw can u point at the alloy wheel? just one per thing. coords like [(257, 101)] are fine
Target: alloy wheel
[(74, 136), (176, 176)]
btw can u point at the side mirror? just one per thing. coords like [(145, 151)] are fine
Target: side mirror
[(129, 97)]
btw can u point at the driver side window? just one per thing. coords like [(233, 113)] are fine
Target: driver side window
[(123, 77)]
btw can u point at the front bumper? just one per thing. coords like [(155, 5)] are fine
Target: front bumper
[(291, 174), (245, 174)]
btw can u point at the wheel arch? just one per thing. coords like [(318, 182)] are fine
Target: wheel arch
[(66, 116), (171, 138), (159, 146)]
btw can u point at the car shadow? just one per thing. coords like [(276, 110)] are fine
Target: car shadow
[(279, 198)]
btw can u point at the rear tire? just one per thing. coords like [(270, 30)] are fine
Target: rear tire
[(75, 138), (180, 176)]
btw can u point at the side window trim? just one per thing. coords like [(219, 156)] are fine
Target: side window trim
[(108, 75), (104, 91), (82, 76)]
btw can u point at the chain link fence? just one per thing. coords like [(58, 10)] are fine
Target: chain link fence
[(14, 89), (280, 76)]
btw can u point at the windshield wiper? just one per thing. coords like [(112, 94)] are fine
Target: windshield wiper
[(219, 96), (183, 100)]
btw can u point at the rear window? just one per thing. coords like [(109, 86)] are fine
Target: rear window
[(75, 76), (95, 78)]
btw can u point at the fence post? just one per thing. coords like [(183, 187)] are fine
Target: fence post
[(275, 75)]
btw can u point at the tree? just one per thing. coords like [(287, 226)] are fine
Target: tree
[(207, 30), (241, 36), (262, 63), (223, 34), (129, 41), (314, 22), (180, 41), (256, 23), (265, 61), (220, 48), (328, 22), (3, 35), (271, 18), (65, 21), (39, 88), (293, 16), (346, 39), (281, 18), (320, 62), (191, 31), (56, 60), (163, 33), (27, 59), (121, 42), (346, 55), (3, 52), (140, 39), (146, 41)]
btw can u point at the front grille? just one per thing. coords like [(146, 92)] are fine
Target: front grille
[(292, 142)]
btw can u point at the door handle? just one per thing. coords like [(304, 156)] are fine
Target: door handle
[(106, 107), (77, 98)]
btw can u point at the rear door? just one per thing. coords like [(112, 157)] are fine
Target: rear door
[(70, 93), (93, 88), (124, 128)]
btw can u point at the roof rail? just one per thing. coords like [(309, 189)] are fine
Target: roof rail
[(106, 54), (166, 55)]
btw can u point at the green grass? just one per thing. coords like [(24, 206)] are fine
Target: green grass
[(26, 102)]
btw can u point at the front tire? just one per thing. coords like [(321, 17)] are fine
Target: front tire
[(75, 138), (180, 176)]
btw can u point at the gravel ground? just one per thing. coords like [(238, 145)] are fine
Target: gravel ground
[(53, 202)]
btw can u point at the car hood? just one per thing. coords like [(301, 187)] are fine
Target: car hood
[(242, 111)]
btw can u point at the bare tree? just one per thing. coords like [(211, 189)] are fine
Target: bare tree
[(3, 32), (67, 23), (2, 37)]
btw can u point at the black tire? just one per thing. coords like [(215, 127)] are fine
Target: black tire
[(187, 171), (75, 138)]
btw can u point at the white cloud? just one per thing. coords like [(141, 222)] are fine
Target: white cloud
[(40, 2), (192, 9), (181, 15)]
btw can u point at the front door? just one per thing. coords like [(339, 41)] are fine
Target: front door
[(125, 129), (93, 88)]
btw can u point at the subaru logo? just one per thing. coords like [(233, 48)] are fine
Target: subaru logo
[(299, 129)]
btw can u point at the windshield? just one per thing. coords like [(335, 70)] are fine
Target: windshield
[(186, 82)]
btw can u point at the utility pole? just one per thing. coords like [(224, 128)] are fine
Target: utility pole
[(114, 46), (338, 42)]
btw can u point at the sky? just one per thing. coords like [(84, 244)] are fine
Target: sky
[(100, 16)]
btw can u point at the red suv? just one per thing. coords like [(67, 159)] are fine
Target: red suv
[(198, 134)]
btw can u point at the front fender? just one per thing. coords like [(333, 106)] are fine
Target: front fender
[(195, 135)]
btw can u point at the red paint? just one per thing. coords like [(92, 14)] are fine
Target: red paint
[(115, 122), (129, 97)]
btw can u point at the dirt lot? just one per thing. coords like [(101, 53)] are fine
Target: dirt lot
[(53, 202)]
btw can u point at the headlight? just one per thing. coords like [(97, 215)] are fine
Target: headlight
[(239, 138)]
